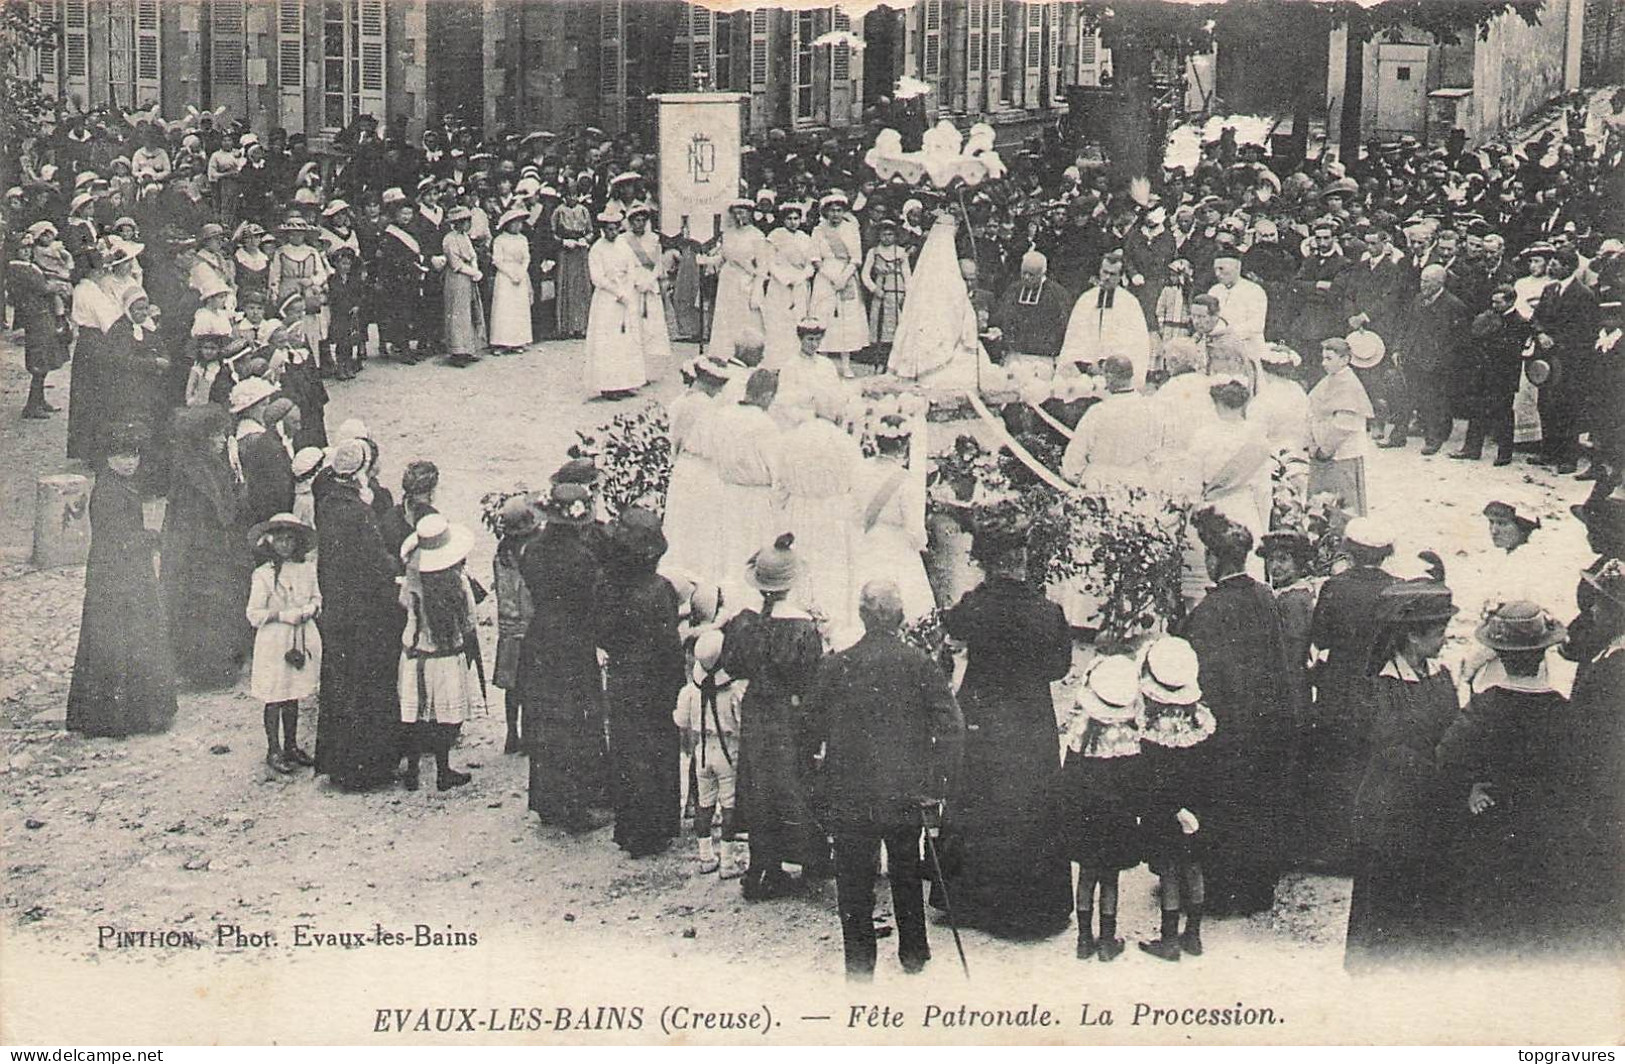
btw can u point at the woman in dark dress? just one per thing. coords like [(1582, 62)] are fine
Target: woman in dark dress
[(1005, 875), (123, 683), (1237, 638), (1508, 791), (777, 649), (94, 312), (136, 367), (558, 671), (1394, 913), (358, 740), (207, 564), (637, 629)]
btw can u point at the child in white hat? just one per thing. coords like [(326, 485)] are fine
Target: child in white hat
[(1174, 726), (1100, 784), (707, 714), (283, 603)]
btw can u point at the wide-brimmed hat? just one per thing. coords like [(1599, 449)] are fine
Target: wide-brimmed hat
[(458, 214), (1368, 532), (1415, 601), (836, 197), (512, 214), (440, 543), (296, 224), (1520, 626), (334, 207), (1111, 690), (283, 522), (245, 393), (640, 210), (637, 532), (775, 567), (212, 285), (576, 471), (1285, 540), (1366, 348), (1170, 674), (307, 461), (114, 250), (610, 216), (570, 503), (349, 457)]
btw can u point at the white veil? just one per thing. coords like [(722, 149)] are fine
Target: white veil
[(937, 335)]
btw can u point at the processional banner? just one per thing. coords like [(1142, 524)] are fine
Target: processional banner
[(699, 160)]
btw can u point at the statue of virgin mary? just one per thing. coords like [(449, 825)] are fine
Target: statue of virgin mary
[(937, 341)]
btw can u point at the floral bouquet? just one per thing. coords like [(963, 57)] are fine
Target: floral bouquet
[(1320, 516), (928, 634), (1126, 546), (491, 504), (633, 456)]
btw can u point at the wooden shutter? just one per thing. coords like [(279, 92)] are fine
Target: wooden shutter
[(1032, 54), (995, 54), (701, 28), (931, 52), (226, 42), (76, 49), (51, 14), (758, 50), (1089, 58), (149, 54), (1052, 72), (611, 64), (370, 42), (841, 55), (290, 63)]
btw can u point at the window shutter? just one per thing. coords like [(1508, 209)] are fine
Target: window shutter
[(995, 53), (1052, 74), (50, 14), (76, 48), (290, 63), (758, 50), (1032, 55), (611, 63), (370, 34), (841, 59), (149, 68), (226, 42), (931, 60)]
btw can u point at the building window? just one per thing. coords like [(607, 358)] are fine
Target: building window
[(806, 32), (758, 50), (1402, 74), (352, 60)]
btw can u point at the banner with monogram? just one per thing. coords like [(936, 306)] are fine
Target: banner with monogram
[(699, 160)]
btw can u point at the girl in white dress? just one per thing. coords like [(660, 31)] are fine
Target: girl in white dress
[(740, 262), (889, 502), (614, 356), (837, 301), (789, 280), (646, 272), (283, 602), (817, 466), (510, 288), (693, 509)]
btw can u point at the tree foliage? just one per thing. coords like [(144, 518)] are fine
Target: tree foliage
[(24, 107)]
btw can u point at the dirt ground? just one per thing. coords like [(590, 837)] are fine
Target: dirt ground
[(188, 830)]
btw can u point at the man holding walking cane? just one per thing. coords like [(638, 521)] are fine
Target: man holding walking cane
[(892, 735)]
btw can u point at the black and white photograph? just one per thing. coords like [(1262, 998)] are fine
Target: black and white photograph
[(654, 523)]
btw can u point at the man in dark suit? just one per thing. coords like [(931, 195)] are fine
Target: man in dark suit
[(1565, 336), (1321, 289), (892, 736), (1379, 285), (1499, 334), (1433, 328)]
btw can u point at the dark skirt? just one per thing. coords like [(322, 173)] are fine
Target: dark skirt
[(564, 760), (1390, 921), (574, 292), (205, 578), (772, 784), (1003, 872), (644, 773), (1098, 826), (359, 740)]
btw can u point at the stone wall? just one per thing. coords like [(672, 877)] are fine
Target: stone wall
[(1517, 69)]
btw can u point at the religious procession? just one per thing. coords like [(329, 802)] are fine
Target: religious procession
[(944, 514)]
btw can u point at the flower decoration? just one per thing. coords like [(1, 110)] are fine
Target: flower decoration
[(633, 456)]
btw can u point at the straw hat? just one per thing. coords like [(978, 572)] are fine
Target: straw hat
[(1413, 601), (1170, 673), (440, 544), (708, 649), (212, 285), (1609, 581), (458, 214), (1520, 626), (776, 566), (307, 461), (1110, 690), (1368, 532), (245, 393), (512, 214), (570, 504), (283, 522), (1366, 348)]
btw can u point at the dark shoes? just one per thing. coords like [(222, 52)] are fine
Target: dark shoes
[(1393, 441), (295, 756), (1191, 942), (1467, 456), (1086, 945), (1109, 949), (36, 413), (446, 780), (1504, 458), (1431, 448), (916, 965), (1166, 949), (277, 763), (411, 779), (765, 886)]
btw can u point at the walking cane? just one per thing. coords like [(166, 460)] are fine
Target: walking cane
[(931, 818)]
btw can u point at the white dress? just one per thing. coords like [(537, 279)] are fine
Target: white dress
[(742, 255), (510, 291), (648, 307), (890, 547), (693, 498), (817, 464), (445, 681), (273, 678), (614, 345), (802, 379), (937, 341), (746, 456), (837, 255), (788, 298)]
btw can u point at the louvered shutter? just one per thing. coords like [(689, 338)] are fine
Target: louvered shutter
[(370, 42), (758, 50), (226, 42), (702, 28), (290, 63), (841, 57), (931, 55), (76, 49), (611, 63), (149, 61), (1032, 54), (1052, 72), (51, 15), (1089, 58), (975, 56), (995, 54)]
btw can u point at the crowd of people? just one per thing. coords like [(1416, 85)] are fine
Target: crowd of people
[(740, 657)]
